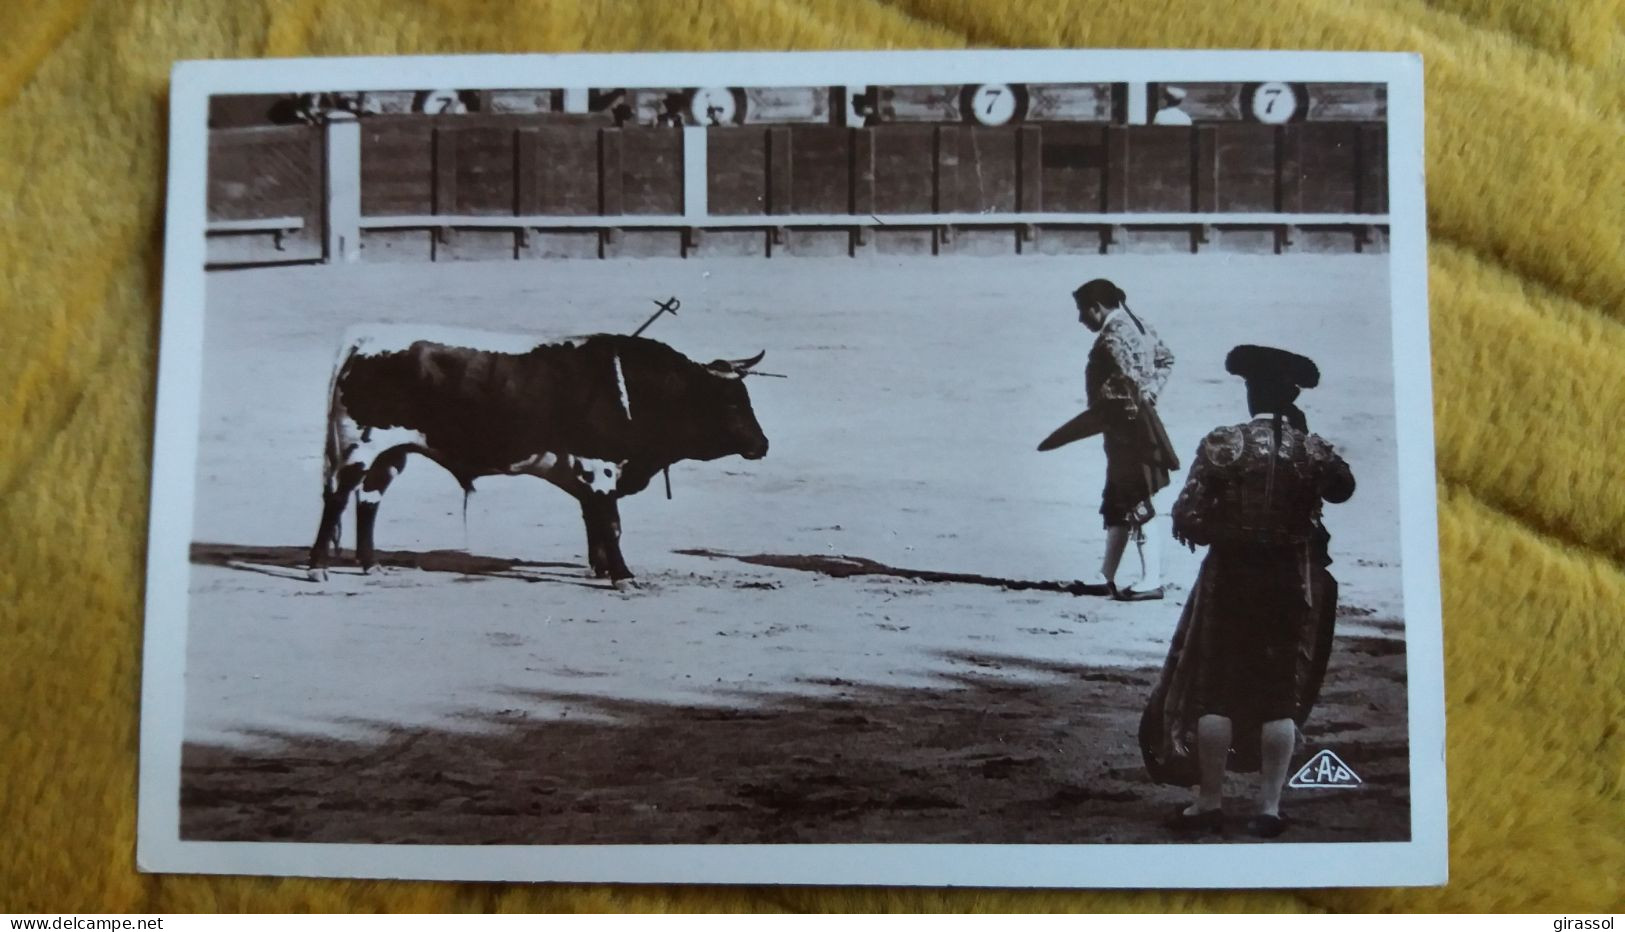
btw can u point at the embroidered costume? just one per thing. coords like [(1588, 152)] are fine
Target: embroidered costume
[(1254, 638), (1128, 367)]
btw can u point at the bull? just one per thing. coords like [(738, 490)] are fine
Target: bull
[(597, 416)]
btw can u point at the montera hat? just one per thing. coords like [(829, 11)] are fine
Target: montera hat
[(1100, 291), (1266, 364)]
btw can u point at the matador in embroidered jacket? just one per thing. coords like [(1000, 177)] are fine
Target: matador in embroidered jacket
[(1128, 365), (1246, 662), (1127, 370)]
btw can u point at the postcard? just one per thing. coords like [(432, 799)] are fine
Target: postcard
[(931, 468)]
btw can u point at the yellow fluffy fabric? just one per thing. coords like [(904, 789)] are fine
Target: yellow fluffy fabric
[(1526, 178)]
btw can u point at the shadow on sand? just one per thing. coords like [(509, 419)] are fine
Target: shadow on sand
[(291, 563), (842, 567), (1001, 749)]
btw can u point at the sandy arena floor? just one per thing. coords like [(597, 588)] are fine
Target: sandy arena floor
[(805, 657)]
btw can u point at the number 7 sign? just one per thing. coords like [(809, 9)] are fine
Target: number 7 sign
[(1273, 102)]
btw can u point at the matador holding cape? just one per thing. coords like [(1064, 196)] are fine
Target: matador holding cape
[(1247, 660)]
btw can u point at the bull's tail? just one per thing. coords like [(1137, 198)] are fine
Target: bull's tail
[(333, 452)]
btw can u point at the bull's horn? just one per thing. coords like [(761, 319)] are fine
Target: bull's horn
[(743, 364)]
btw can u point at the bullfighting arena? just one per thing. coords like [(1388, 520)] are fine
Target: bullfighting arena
[(860, 638)]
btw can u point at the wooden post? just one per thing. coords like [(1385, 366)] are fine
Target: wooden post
[(527, 171), (445, 170), (947, 200), (611, 188), (1115, 189), (778, 170), (610, 182), (696, 174), (1204, 169), (1371, 167), (1284, 235), (1289, 170), (863, 173), (343, 192), (1030, 169)]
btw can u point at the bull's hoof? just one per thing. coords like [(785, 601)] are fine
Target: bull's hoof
[(374, 569), (317, 574), (624, 583)]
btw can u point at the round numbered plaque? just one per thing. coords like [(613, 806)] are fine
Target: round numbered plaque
[(441, 102), (993, 104), (1274, 102), (714, 106)]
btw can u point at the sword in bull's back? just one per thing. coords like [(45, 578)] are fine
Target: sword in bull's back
[(668, 306)]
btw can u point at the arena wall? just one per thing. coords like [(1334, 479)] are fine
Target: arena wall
[(917, 177)]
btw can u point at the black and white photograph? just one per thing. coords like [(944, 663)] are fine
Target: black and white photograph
[(797, 468)]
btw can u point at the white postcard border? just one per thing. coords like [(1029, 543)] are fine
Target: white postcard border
[(1420, 861)]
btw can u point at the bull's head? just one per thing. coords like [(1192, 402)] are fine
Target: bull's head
[(736, 368), (740, 432)]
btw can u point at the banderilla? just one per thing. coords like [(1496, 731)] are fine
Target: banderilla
[(668, 306)]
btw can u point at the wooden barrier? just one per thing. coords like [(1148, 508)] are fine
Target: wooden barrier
[(485, 165), (265, 195), (1057, 168), (518, 184)]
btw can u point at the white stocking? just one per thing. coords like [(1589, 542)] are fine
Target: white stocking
[(1149, 544)]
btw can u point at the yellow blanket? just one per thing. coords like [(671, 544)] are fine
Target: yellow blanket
[(1526, 177)]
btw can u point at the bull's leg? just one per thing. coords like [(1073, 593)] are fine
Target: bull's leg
[(333, 501), (612, 541), (592, 516), (383, 471)]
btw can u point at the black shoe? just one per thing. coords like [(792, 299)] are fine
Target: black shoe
[(1211, 820), (1137, 595), (1082, 588), (1266, 826)]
